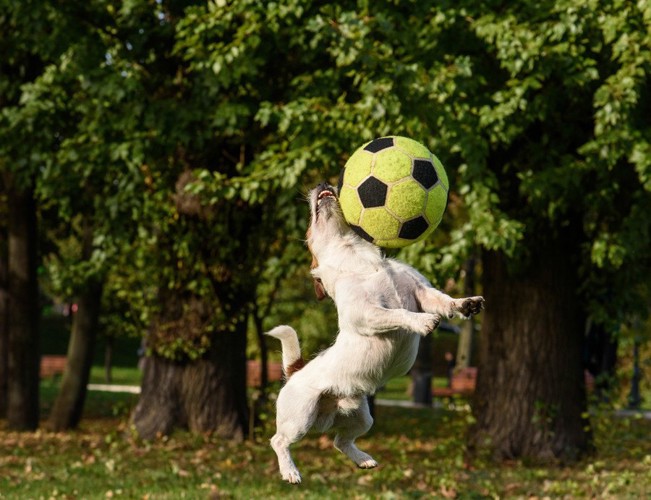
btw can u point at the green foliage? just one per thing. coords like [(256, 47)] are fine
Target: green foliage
[(185, 133)]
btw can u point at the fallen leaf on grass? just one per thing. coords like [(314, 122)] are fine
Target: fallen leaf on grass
[(448, 492), (325, 442), (365, 480)]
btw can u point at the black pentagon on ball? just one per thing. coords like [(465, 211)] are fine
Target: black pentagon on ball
[(425, 173), (379, 144), (372, 193), (362, 233), (413, 228)]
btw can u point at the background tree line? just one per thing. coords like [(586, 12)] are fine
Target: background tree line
[(154, 153)]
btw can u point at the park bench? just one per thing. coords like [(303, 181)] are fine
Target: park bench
[(462, 383), (254, 373), (52, 365)]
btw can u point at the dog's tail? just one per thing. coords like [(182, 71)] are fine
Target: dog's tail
[(292, 358)]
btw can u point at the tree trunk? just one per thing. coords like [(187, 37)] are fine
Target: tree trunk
[(4, 324), (464, 349), (69, 404), (208, 395), (421, 372), (23, 351), (530, 399)]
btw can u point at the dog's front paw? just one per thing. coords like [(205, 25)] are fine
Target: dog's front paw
[(367, 464), (470, 306), (426, 323)]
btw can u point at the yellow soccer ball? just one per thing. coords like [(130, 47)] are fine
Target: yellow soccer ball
[(393, 191)]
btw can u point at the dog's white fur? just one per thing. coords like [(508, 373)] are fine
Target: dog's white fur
[(384, 307)]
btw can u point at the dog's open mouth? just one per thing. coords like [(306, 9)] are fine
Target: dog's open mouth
[(324, 201), (326, 193)]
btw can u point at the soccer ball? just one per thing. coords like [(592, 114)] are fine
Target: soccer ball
[(393, 191)]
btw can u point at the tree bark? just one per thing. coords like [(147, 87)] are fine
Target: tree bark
[(69, 404), (23, 340), (530, 399), (4, 324), (208, 395)]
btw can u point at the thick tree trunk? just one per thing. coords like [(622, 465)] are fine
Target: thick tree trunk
[(23, 351), (208, 395), (69, 404), (530, 399)]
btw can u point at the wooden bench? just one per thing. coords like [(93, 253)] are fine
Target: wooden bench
[(463, 383), (254, 373), (52, 365)]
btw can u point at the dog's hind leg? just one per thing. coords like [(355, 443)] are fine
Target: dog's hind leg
[(288, 470), (350, 425), (296, 413)]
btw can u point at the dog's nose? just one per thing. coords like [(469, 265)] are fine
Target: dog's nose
[(323, 186)]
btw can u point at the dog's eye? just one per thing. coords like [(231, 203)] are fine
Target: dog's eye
[(318, 280)]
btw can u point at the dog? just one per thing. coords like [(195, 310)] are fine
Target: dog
[(384, 306)]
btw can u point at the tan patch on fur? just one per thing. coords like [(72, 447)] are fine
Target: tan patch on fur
[(294, 367)]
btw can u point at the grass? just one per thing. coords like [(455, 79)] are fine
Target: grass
[(421, 455), (120, 375), (398, 388), (420, 451)]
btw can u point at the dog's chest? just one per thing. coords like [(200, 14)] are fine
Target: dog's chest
[(397, 291)]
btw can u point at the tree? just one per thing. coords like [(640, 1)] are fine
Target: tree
[(537, 112), (4, 311), (235, 179), (22, 63), (571, 165), (69, 404), (201, 230), (45, 101), (110, 97), (23, 359)]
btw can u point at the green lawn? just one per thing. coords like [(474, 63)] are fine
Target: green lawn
[(120, 375), (420, 451), (421, 455), (398, 388)]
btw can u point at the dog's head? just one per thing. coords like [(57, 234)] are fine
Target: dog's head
[(325, 210), (334, 246)]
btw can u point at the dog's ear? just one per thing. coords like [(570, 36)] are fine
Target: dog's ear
[(319, 289)]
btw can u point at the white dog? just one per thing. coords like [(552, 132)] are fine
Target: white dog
[(384, 307)]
